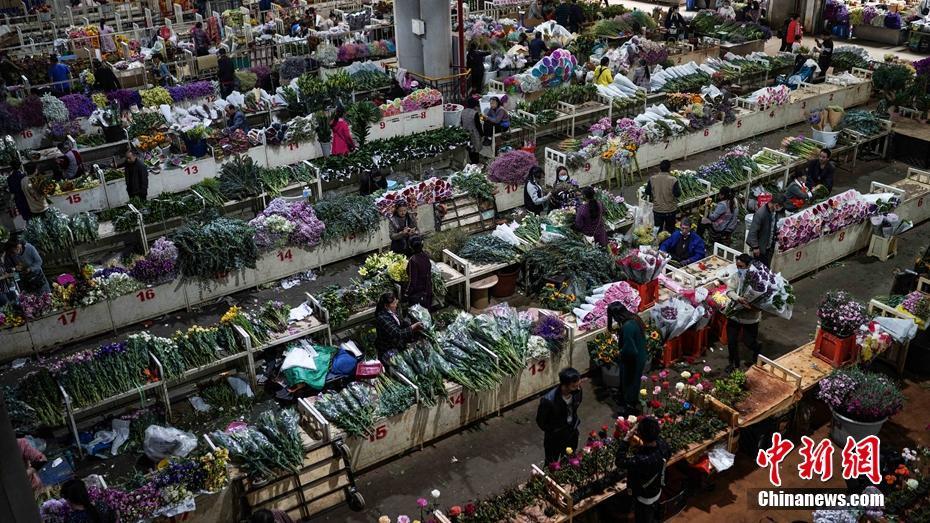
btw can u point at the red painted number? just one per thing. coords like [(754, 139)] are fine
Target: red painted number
[(382, 124), (587, 167), (772, 114), (842, 236), (146, 295), (68, 317), (512, 188), (26, 133), (739, 123), (803, 105), (423, 114), (458, 399), (191, 169), (797, 256), (293, 146), (706, 132), (380, 433), (920, 201), (74, 198), (538, 367), (285, 255)]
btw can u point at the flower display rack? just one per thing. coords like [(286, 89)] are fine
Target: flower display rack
[(897, 353), (752, 120), (422, 424), (106, 316)]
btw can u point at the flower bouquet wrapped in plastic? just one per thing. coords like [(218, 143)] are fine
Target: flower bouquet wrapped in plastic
[(642, 265), (675, 316), (593, 313), (766, 291)]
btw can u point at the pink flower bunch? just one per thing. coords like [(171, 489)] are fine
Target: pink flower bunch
[(620, 291), (424, 193), (631, 132), (35, 306)]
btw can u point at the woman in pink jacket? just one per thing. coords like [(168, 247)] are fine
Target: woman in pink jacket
[(342, 135)]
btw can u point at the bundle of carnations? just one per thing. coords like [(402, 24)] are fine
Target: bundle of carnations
[(840, 314), (840, 318), (917, 306), (764, 290), (859, 396), (675, 316), (593, 313), (415, 101), (423, 193)]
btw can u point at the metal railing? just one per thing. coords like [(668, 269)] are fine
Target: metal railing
[(452, 87)]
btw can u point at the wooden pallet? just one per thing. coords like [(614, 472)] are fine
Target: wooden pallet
[(803, 363), (772, 389)]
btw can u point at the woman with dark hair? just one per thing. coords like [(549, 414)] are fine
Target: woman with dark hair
[(471, 122), (83, 510), (632, 340), (641, 76), (534, 198), (342, 135), (402, 226), (589, 218), (721, 221), (495, 119), (565, 189), (392, 333), (420, 275)]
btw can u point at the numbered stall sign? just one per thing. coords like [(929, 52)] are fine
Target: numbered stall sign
[(379, 434), (537, 367), (146, 295), (68, 318)]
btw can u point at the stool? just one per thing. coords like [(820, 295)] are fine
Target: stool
[(479, 292)]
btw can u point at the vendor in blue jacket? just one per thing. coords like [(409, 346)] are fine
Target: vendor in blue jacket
[(684, 246)]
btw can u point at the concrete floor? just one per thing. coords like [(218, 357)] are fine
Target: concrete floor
[(497, 453)]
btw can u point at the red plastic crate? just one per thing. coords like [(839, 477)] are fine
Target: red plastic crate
[(695, 342), (718, 327), (648, 293), (835, 350), (672, 351)]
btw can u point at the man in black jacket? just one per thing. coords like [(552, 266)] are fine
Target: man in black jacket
[(763, 231), (645, 467), (557, 415), (137, 176)]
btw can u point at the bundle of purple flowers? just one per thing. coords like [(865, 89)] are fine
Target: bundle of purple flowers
[(862, 396), (840, 314)]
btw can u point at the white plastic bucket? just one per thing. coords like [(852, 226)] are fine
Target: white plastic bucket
[(826, 137), (453, 118)]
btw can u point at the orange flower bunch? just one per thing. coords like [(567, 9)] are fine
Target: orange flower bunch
[(149, 142)]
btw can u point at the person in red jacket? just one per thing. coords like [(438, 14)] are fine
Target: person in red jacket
[(342, 135), (795, 31)]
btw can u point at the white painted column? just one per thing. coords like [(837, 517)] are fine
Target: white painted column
[(409, 45), (437, 42)]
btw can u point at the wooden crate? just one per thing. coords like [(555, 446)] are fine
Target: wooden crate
[(803, 363)]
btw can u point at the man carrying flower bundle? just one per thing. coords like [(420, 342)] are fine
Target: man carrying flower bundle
[(744, 321), (557, 415)]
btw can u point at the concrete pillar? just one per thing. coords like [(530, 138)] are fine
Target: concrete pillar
[(437, 42), (409, 45), (16, 500)]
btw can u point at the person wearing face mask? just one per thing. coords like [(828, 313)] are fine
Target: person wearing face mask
[(744, 321), (684, 246), (563, 192)]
